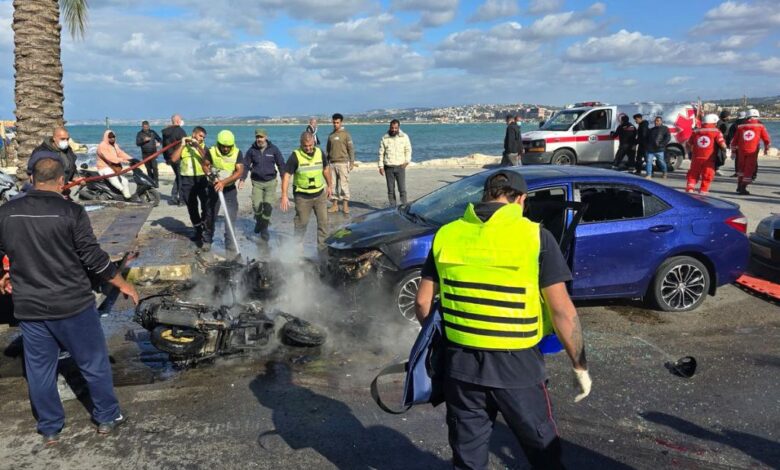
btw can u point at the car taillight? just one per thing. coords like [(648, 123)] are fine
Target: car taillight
[(738, 223)]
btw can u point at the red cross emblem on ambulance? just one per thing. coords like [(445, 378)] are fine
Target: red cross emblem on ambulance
[(703, 142)]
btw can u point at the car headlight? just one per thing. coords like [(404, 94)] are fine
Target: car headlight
[(537, 146)]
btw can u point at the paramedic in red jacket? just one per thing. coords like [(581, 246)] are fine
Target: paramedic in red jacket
[(704, 143), (746, 142)]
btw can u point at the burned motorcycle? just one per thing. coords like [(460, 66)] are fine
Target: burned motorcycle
[(191, 332)]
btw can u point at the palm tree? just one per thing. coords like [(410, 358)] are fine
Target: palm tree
[(38, 90)]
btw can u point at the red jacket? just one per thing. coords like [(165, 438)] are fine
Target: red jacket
[(705, 140), (749, 135)]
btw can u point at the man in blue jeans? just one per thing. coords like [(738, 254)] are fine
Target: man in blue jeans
[(657, 140), (53, 255)]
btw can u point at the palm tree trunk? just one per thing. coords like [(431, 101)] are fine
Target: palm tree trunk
[(38, 90)]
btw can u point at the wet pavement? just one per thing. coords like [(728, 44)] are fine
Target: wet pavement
[(295, 408)]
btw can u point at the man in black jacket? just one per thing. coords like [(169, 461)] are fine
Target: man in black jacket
[(642, 129), (626, 134), (59, 143), (262, 161), (513, 143), (171, 134), (53, 252), (148, 139), (657, 140)]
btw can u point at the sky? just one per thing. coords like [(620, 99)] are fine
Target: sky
[(146, 59)]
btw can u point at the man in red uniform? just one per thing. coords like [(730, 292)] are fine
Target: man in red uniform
[(747, 142), (704, 142)]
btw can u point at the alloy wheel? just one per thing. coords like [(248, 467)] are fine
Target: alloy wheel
[(683, 286), (406, 298)]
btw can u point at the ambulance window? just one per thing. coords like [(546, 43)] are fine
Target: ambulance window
[(597, 120), (617, 202), (547, 206)]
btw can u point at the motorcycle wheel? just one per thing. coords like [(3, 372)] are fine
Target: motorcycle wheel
[(301, 333), (180, 342), (86, 195), (151, 196)]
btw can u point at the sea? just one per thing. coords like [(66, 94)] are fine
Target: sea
[(429, 141)]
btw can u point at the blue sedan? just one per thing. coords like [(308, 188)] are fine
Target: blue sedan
[(624, 237)]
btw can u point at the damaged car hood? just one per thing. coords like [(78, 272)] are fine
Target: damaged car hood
[(377, 228)]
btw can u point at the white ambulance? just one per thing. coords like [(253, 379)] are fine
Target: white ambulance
[(581, 133)]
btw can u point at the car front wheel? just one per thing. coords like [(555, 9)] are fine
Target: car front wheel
[(680, 284), (405, 294)]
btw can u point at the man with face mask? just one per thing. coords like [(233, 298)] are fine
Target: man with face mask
[(59, 144), (395, 153)]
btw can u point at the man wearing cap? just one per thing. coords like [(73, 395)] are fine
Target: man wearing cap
[(226, 157), (53, 254), (492, 295), (262, 160)]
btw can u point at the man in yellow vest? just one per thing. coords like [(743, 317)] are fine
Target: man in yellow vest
[(494, 297), (226, 157), (312, 187), (192, 153)]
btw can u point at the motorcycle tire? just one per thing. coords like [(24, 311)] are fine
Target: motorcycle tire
[(151, 196), (87, 195), (301, 333), (180, 342)]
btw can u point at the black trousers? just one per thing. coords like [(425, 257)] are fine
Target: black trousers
[(471, 413), (231, 201), (151, 169), (196, 192), (393, 175), (176, 191), (625, 151), (639, 161)]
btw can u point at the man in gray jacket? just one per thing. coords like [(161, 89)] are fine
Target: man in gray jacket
[(395, 153)]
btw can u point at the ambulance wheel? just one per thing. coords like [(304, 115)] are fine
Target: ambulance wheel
[(177, 341), (674, 158), (563, 157), (405, 294)]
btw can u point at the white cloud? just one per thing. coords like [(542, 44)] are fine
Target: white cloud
[(495, 9), (739, 41), (631, 48), (679, 80), (357, 32), (6, 33), (539, 7), (374, 64), (499, 49), (770, 66), (138, 46), (730, 16), (432, 12), (629, 82), (570, 23), (409, 34), (331, 11)]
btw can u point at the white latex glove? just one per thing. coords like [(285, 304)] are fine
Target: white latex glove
[(582, 380)]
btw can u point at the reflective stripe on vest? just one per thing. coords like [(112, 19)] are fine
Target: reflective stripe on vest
[(489, 280), (190, 161), (224, 162), (308, 176)]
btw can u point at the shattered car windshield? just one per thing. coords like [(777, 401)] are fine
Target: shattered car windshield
[(448, 203), (562, 121)]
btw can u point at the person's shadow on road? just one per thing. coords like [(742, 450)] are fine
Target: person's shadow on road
[(305, 419)]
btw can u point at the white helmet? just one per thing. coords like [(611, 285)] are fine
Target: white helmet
[(742, 115), (711, 119), (753, 113)]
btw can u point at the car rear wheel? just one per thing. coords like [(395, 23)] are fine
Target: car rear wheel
[(563, 157), (680, 284), (405, 294)]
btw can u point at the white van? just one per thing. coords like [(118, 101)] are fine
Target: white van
[(581, 134)]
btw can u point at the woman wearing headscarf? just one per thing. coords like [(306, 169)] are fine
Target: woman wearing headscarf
[(109, 161)]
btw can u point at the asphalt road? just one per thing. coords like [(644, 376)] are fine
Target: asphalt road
[(299, 409)]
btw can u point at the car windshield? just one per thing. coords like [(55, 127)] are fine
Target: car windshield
[(448, 203), (562, 121)]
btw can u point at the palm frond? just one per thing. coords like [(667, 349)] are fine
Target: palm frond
[(74, 16)]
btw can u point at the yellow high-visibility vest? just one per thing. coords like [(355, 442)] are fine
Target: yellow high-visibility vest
[(489, 280), (190, 161), (308, 176)]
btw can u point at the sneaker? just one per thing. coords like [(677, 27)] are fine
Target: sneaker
[(648, 177), (50, 440), (258, 227), (109, 427)]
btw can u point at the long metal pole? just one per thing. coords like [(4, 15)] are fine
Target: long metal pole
[(228, 222)]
